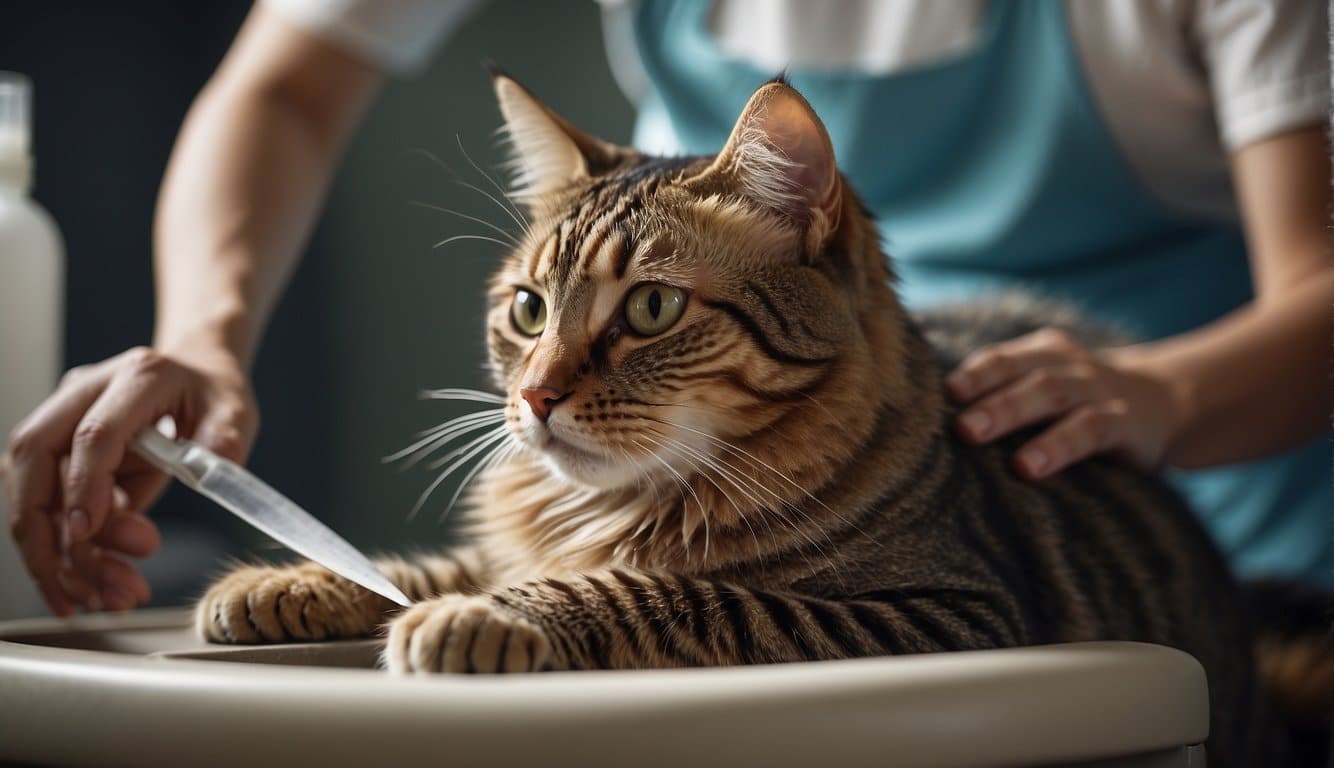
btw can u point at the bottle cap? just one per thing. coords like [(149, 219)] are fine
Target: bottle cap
[(15, 130)]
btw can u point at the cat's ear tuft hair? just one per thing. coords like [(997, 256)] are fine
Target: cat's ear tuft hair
[(547, 153), (779, 155)]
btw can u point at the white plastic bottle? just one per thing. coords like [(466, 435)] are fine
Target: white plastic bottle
[(32, 267)]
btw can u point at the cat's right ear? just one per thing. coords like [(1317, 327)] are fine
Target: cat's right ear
[(547, 153), (779, 155)]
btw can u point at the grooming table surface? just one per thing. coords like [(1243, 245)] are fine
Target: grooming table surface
[(140, 689)]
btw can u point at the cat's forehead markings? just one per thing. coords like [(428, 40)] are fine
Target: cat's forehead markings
[(552, 263), (540, 262), (612, 251), (658, 259), (592, 241), (601, 229)]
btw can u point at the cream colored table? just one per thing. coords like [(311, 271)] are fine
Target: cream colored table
[(140, 690)]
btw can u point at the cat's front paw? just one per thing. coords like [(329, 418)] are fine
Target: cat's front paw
[(264, 604), (465, 633)]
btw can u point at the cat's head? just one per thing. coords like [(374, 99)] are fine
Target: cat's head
[(660, 312)]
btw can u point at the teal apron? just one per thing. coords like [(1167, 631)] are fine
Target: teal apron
[(993, 170)]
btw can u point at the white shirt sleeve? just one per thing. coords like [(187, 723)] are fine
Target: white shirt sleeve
[(1268, 63), (398, 35)]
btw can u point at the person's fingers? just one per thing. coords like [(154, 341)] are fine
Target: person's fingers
[(36, 537), (223, 430), (83, 557), (78, 588), (121, 586), (1085, 432), (75, 493), (33, 485), (145, 387), (33, 529), (113, 584), (1038, 396), (130, 533), (138, 486), (994, 365), (79, 574), (52, 422)]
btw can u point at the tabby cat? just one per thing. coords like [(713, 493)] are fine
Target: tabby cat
[(728, 443)]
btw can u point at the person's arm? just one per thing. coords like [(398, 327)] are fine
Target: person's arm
[(1257, 382), (1253, 383), (247, 178), (244, 183)]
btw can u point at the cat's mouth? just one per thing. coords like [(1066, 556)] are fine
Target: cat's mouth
[(564, 449), (586, 465)]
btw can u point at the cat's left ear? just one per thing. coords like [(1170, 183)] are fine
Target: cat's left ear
[(779, 155), (547, 152)]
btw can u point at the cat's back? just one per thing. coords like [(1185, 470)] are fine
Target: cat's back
[(956, 330), (1103, 550), (1124, 537)]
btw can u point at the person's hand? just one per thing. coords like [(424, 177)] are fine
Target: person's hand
[(76, 494), (1095, 402)]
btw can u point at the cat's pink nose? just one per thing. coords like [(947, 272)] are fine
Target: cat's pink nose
[(541, 399)]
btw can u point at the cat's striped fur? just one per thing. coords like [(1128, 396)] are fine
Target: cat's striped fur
[(772, 479)]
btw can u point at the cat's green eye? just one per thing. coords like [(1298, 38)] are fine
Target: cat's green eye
[(653, 308), (529, 312)]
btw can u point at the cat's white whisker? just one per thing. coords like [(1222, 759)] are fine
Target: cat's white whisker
[(490, 414), (639, 475), (434, 432), (742, 453), (686, 486), (496, 455), (457, 179), (497, 434), (761, 464), (449, 240), (679, 477), (443, 460), (777, 510), (456, 393), (729, 476), (444, 439), (676, 446), (749, 487), (523, 224), (443, 433), (503, 232), (517, 211)]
